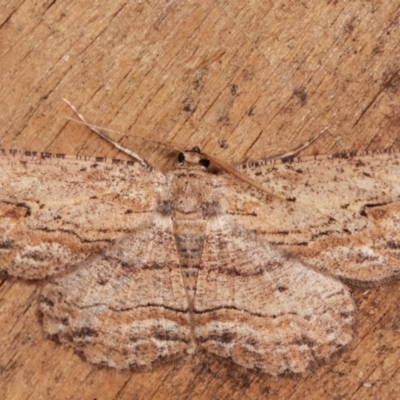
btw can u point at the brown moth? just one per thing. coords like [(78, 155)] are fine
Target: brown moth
[(143, 266)]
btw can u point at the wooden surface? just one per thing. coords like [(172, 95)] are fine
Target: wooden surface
[(240, 81)]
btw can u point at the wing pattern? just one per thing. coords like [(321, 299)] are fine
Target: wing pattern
[(339, 215), (266, 310), (261, 277), (55, 211), (125, 307)]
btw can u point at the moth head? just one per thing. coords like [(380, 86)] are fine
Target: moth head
[(193, 158)]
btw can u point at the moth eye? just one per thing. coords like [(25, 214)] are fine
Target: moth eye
[(181, 157), (204, 162)]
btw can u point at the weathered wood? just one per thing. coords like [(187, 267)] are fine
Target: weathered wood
[(239, 80)]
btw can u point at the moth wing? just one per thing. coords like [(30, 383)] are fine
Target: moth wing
[(55, 212), (126, 307), (339, 215), (265, 310)]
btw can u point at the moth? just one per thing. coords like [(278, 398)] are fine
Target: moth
[(249, 263)]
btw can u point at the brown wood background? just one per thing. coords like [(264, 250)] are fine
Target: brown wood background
[(241, 80)]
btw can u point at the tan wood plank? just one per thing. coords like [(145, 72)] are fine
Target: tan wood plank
[(239, 79)]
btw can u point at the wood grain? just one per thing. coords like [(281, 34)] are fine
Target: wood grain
[(240, 81)]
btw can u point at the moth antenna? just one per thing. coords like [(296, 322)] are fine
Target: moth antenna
[(244, 178), (235, 172), (297, 150), (100, 131)]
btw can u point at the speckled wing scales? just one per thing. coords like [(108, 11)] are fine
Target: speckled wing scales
[(117, 241), (55, 211), (115, 293), (342, 213), (264, 310), (126, 307)]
